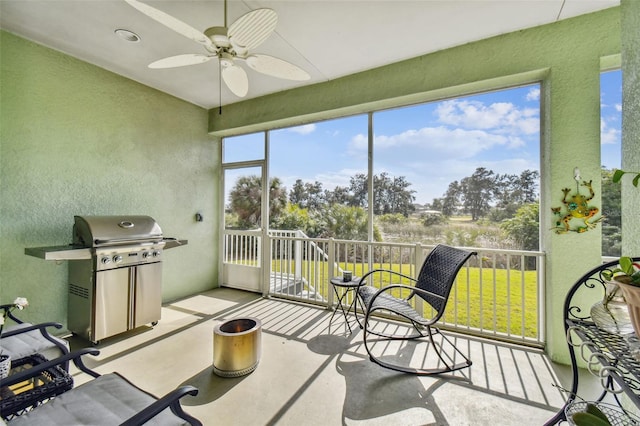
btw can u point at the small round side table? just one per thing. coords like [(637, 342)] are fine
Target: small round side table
[(348, 287)]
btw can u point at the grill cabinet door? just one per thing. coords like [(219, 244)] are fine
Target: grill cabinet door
[(112, 303), (148, 294)]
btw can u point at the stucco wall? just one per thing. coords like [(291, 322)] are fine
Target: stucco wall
[(565, 56), (630, 13), (79, 140)]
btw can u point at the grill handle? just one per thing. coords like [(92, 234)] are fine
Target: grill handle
[(127, 241)]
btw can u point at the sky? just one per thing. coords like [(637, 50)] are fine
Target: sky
[(431, 144)]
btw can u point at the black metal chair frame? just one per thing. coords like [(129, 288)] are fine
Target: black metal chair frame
[(42, 327), (433, 285), (170, 400), (576, 311)]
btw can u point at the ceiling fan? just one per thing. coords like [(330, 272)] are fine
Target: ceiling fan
[(229, 45)]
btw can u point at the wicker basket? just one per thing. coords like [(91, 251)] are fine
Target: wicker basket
[(616, 415), (50, 383)]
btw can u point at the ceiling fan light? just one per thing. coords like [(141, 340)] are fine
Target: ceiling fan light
[(127, 35), (226, 60)]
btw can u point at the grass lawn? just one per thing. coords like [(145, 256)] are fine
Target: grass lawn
[(489, 299)]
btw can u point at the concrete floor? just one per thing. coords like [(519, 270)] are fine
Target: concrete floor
[(315, 373)]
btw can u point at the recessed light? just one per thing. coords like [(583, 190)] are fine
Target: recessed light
[(128, 35)]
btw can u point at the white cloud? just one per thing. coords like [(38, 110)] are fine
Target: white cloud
[(359, 142), (339, 178), (438, 142), (618, 107), (304, 129), (502, 117), (433, 157), (534, 94), (469, 134), (608, 135)]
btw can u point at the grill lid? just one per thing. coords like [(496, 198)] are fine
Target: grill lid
[(97, 231)]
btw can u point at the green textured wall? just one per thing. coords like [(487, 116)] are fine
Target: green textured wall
[(79, 140), (565, 56), (630, 13)]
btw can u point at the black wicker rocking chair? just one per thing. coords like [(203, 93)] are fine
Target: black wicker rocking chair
[(433, 285)]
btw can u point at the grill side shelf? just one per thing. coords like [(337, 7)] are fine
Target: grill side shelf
[(67, 252), (173, 242)]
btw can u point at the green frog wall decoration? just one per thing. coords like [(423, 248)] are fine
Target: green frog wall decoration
[(578, 215)]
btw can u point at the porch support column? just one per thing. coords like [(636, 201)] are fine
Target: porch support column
[(630, 30), (570, 137)]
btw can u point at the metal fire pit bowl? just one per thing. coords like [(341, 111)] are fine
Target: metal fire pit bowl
[(237, 347)]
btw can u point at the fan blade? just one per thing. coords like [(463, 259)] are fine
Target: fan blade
[(173, 23), (251, 29), (236, 79), (181, 60), (277, 67)]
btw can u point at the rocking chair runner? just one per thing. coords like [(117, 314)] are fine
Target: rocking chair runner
[(433, 285)]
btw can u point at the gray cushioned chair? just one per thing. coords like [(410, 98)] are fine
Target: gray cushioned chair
[(107, 400), (24, 339)]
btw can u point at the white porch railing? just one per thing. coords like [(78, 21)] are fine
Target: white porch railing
[(498, 294)]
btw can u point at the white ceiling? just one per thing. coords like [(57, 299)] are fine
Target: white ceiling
[(327, 38)]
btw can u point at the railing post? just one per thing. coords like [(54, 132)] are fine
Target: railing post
[(264, 254), (541, 261), (297, 253), (417, 264), (331, 270)]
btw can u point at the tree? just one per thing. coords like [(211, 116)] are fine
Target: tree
[(340, 195), (451, 199), (431, 219), (277, 198), (246, 197), (523, 228), (477, 192), (517, 189), (437, 204), (359, 191), (512, 191), (528, 186), (297, 195), (611, 211), (402, 197), (295, 218), (348, 223), (307, 195)]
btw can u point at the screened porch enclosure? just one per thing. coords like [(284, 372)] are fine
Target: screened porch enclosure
[(376, 191)]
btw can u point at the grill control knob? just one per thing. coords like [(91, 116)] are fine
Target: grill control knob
[(117, 259), (156, 254), (105, 260), (145, 254)]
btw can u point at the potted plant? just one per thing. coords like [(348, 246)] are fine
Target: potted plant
[(617, 175), (628, 273), (627, 278)]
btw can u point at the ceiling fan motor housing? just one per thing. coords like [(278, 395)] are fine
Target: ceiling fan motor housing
[(218, 36)]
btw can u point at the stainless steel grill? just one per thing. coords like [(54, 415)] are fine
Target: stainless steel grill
[(99, 231), (115, 273)]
